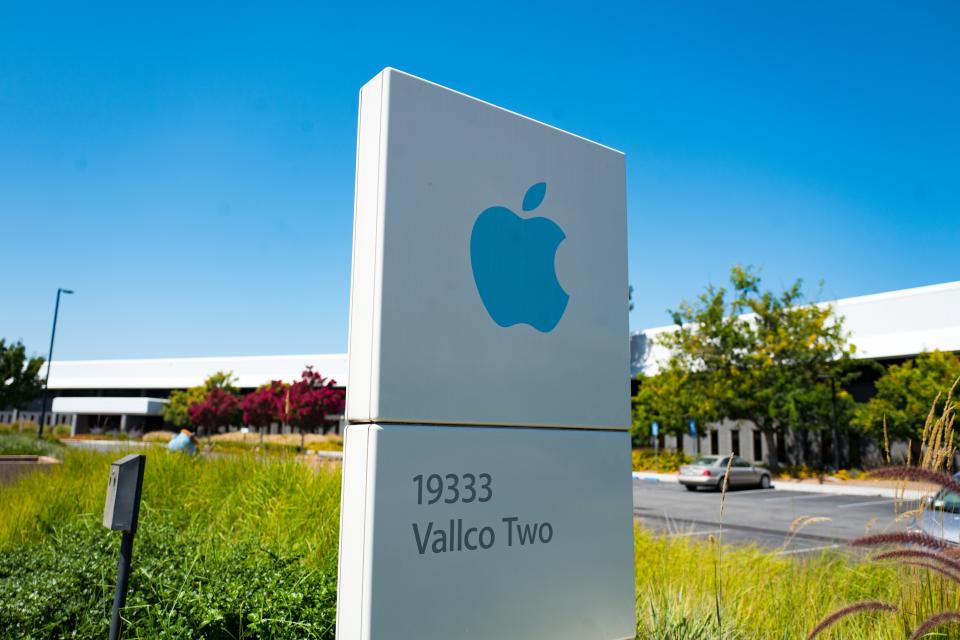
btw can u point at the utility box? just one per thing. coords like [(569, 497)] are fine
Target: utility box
[(123, 493)]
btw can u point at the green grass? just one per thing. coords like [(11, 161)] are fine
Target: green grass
[(228, 548), (236, 547), (26, 444)]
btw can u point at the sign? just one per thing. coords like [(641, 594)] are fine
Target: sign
[(486, 479), (655, 428), (693, 429), (487, 533), (489, 277)]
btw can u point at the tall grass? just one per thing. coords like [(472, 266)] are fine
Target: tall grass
[(231, 547), (240, 547), (765, 596)]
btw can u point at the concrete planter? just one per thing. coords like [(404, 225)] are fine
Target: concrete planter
[(12, 467)]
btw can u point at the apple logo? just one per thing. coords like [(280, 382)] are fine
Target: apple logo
[(513, 261)]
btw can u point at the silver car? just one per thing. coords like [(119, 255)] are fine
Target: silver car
[(708, 471), (941, 516)]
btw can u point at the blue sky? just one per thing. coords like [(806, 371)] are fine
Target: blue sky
[(188, 168)]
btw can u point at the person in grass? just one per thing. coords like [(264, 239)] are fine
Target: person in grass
[(185, 441)]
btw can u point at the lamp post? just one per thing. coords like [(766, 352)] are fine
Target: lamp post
[(46, 382)]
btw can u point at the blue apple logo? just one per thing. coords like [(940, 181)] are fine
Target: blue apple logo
[(513, 265)]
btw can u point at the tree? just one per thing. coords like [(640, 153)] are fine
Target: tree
[(760, 357), (264, 406), (19, 376), (311, 401), (907, 394), (219, 408), (673, 397), (177, 409)]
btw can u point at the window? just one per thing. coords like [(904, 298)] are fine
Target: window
[(714, 442), (757, 445), (735, 441)]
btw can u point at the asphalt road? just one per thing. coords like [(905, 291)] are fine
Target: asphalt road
[(762, 517)]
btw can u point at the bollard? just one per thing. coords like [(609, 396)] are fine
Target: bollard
[(120, 513)]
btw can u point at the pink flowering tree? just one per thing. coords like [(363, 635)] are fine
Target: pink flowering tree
[(219, 408), (313, 403), (264, 406)]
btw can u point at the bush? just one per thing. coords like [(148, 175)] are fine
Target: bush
[(24, 444), (158, 436), (666, 462)]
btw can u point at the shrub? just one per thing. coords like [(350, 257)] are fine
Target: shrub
[(158, 436), (24, 444), (665, 462)]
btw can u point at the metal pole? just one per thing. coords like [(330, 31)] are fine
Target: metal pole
[(123, 577), (43, 401)]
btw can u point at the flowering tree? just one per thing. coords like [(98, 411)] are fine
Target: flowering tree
[(311, 401), (263, 407), (177, 410), (219, 408)]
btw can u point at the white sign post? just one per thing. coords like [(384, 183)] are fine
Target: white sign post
[(486, 481)]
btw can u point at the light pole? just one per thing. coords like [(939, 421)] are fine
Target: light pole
[(53, 334)]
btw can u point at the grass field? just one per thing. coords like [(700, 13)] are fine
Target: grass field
[(234, 547)]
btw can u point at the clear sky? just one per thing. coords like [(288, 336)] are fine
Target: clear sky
[(188, 168)]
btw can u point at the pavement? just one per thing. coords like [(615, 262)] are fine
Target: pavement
[(765, 517)]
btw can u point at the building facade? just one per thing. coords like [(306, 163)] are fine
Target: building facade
[(129, 395)]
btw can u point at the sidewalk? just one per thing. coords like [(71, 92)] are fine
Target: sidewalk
[(834, 487)]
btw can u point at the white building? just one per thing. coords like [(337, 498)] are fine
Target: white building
[(131, 394)]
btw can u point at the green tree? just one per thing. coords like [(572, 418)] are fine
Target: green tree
[(761, 357), (672, 398), (907, 393), (19, 376), (177, 410)]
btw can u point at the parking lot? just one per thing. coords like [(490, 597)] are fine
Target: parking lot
[(763, 517)]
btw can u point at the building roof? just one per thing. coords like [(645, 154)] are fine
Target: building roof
[(894, 324), (180, 373)]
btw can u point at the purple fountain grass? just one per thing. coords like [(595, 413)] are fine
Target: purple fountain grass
[(935, 621), (917, 474), (904, 538), (857, 607), (915, 554)]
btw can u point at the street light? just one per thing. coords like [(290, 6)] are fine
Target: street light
[(53, 333)]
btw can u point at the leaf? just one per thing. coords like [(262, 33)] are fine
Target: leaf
[(534, 196)]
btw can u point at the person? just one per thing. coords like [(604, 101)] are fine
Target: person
[(185, 441)]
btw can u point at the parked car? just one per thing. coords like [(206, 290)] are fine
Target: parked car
[(708, 471), (941, 516)]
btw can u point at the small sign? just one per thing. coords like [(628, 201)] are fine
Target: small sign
[(123, 493), (693, 429), (655, 428)]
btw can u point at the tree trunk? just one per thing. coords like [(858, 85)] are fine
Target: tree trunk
[(772, 460), (302, 436)]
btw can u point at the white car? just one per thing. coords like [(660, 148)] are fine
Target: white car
[(708, 471)]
